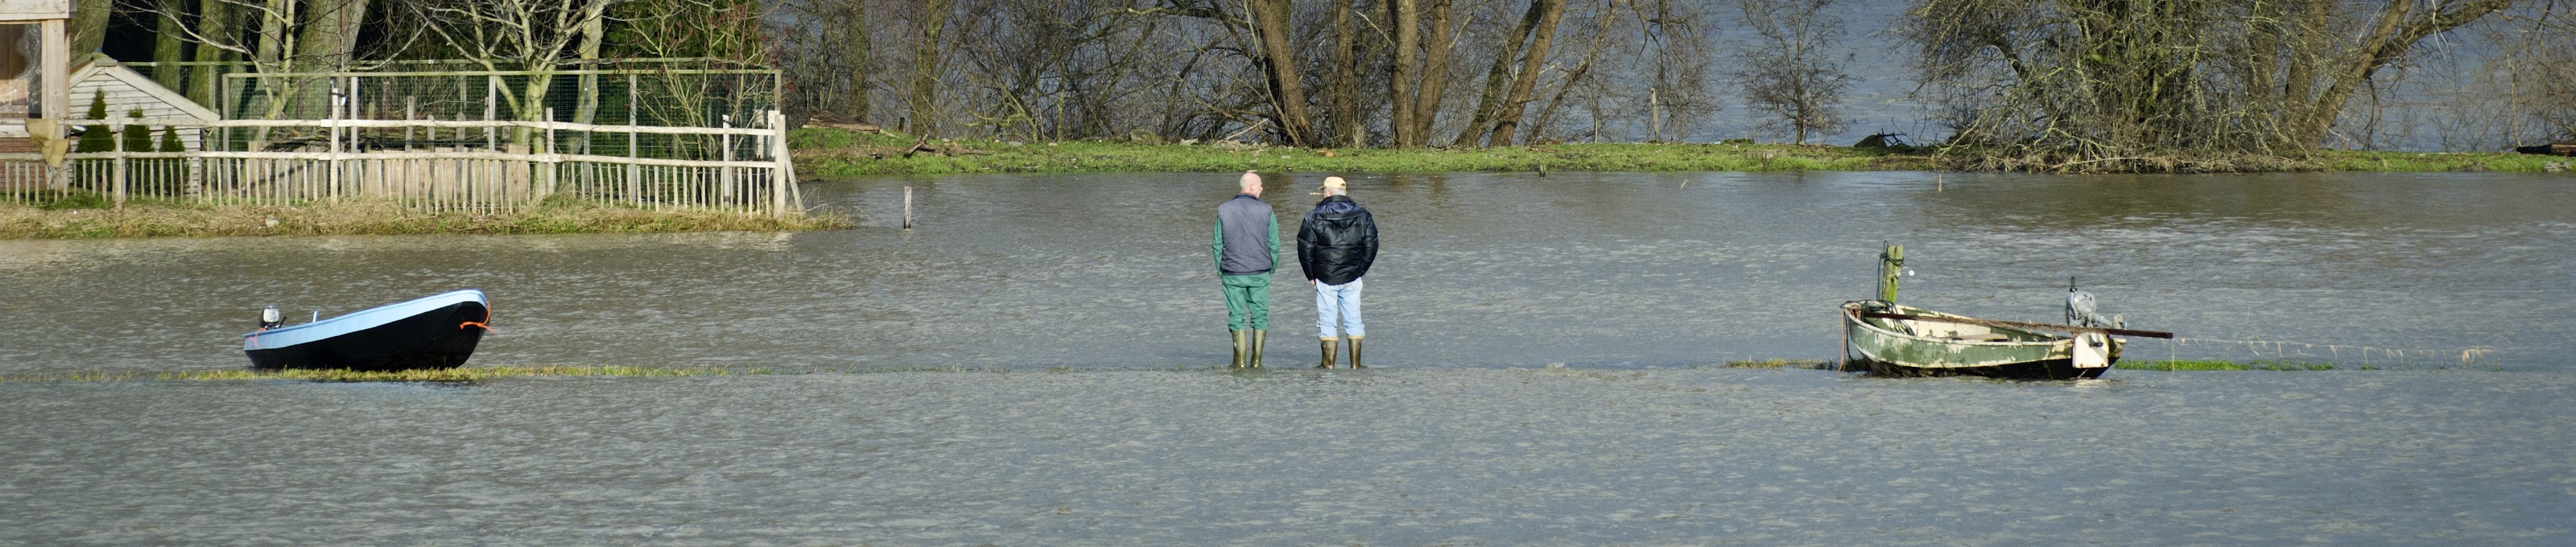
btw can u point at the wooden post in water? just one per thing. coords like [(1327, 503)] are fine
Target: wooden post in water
[(1890, 264), (907, 207)]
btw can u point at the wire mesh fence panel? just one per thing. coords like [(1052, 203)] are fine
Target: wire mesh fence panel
[(307, 161), (655, 98), (429, 135)]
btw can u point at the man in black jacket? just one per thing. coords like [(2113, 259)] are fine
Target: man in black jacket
[(1336, 245)]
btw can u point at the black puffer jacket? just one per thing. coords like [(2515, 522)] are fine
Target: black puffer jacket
[(1338, 241)]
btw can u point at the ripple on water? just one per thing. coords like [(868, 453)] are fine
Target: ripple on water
[(1550, 456)]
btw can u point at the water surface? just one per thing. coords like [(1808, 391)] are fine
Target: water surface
[(1391, 457), (1479, 270), (1086, 306)]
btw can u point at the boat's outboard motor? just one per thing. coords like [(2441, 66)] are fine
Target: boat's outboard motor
[(2080, 308), (270, 318)]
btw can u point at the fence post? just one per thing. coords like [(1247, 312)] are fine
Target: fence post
[(334, 102), (491, 104), (634, 171), (546, 161), (117, 176), (724, 189), (783, 175)]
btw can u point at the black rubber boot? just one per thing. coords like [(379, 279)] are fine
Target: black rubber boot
[(1355, 353), (1239, 352), (1259, 337), (1332, 346)]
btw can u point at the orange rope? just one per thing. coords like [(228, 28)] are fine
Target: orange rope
[(487, 316)]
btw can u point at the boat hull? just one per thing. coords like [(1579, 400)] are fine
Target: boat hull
[(1918, 349), (413, 335)]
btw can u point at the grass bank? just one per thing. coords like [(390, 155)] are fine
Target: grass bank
[(89, 217), (826, 153)]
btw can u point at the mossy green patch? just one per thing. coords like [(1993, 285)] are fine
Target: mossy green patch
[(2187, 364)]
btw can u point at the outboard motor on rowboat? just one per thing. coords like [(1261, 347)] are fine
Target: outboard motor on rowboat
[(270, 318)]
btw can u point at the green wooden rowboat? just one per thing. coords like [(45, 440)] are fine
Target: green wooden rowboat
[(1932, 343), (1887, 339)]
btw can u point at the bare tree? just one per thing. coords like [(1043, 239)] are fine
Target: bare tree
[(1789, 73), (516, 35), (1508, 88), (2175, 85), (928, 22), (1405, 16)]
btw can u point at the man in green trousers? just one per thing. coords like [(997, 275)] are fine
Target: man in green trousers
[(1246, 248)]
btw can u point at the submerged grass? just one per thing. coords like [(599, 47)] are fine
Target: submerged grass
[(459, 374), (2187, 364), (1778, 363), (826, 152), (82, 216)]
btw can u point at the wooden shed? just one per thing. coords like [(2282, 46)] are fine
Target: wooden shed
[(97, 78)]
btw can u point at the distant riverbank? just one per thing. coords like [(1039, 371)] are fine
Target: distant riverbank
[(90, 218), (826, 152)]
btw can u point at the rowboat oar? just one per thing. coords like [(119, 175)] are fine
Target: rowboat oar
[(2015, 324)]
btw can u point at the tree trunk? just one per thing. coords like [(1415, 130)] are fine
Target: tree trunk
[(330, 34), (167, 49), (587, 109), (925, 66), (267, 100), (1509, 119), (1435, 71), (88, 27), (1547, 113), (2390, 37), (1489, 101), (1270, 25), (1405, 18), (1345, 93), (214, 20), (859, 53)]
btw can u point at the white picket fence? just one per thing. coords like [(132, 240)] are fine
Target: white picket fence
[(749, 171)]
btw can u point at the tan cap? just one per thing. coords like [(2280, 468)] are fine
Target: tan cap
[(1333, 183)]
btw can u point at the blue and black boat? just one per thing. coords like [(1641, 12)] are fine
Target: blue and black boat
[(438, 331)]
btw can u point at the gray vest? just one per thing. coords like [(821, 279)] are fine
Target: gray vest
[(1246, 221)]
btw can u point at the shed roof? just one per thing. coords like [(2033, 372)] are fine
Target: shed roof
[(127, 90)]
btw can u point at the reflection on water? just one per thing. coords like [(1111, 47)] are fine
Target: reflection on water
[(1383, 457), (1479, 270)]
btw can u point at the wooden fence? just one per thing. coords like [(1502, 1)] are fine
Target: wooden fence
[(750, 170)]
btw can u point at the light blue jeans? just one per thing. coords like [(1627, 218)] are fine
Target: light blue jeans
[(1338, 306)]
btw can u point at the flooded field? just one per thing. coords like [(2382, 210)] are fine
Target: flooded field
[(1544, 346), (1392, 457), (1588, 270)]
